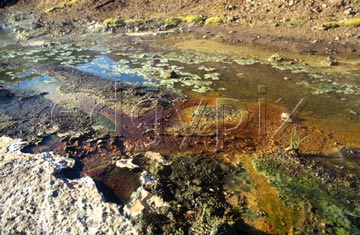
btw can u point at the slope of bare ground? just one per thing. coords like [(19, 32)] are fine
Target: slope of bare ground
[(247, 11), (290, 24)]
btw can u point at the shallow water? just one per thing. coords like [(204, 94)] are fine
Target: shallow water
[(315, 95), (321, 100), (107, 68)]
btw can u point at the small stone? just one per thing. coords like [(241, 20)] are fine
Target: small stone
[(275, 58), (314, 41), (353, 112), (329, 61), (286, 78), (126, 163), (168, 74), (261, 214), (349, 11), (233, 19), (230, 7), (286, 117)]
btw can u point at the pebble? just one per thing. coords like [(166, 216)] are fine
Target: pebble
[(286, 117), (348, 11)]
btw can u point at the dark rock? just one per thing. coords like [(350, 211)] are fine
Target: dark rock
[(5, 3), (69, 148), (233, 18), (169, 26), (168, 74), (36, 25), (5, 93)]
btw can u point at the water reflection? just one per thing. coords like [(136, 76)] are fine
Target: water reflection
[(107, 68)]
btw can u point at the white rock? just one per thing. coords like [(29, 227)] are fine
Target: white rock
[(154, 156), (143, 200), (126, 163), (286, 117), (34, 200), (146, 178)]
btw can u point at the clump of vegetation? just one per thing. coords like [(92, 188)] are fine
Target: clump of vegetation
[(347, 23), (331, 25), (294, 140), (214, 20), (59, 5), (111, 22), (173, 21), (131, 22), (334, 206), (294, 22), (350, 23), (192, 19)]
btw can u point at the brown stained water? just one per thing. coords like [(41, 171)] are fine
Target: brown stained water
[(326, 113)]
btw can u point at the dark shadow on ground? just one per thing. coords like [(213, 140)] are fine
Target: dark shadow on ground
[(5, 3)]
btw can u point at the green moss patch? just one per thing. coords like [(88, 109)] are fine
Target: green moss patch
[(214, 20), (297, 188), (192, 19), (173, 21), (113, 22), (347, 23), (294, 22)]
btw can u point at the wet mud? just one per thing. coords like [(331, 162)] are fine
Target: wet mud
[(28, 115)]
